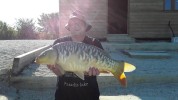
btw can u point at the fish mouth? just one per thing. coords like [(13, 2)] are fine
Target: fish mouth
[(37, 61)]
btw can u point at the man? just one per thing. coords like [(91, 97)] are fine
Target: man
[(69, 86)]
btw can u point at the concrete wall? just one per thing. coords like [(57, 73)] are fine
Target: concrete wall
[(147, 19), (94, 10)]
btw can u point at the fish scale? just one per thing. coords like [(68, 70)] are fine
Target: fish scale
[(85, 53), (78, 57)]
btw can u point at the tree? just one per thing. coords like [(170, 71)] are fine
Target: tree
[(26, 29), (49, 24), (3, 30), (11, 33), (6, 32)]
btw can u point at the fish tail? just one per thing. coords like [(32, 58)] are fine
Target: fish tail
[(119, 70)]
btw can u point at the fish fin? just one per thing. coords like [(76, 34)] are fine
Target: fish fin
[(128, 67), (61, 70), (121, 77), (119, 70), (80, 75)]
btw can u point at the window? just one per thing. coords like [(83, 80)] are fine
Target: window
[(167, 4), (176, 5), (170, 5)]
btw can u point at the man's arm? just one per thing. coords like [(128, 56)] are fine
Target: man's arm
[(55, 70), (98, 44)]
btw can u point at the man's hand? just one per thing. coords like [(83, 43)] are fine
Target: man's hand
[(54, 69), (93, 71)]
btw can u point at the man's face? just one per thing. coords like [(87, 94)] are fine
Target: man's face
[(77, 26)]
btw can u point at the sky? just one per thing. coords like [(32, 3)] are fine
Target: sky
[(11, 10)]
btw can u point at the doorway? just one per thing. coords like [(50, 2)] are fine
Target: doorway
[(117, 16)]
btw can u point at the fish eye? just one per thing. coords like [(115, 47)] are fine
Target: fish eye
[(44, 54)]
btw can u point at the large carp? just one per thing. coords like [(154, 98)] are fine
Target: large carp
[(78, 57)]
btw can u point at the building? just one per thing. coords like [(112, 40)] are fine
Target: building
[(135, 18)]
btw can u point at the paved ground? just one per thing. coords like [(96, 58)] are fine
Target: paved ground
[(149, 69), (136, 92)]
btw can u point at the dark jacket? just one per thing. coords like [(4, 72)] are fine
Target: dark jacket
[(70, 87)]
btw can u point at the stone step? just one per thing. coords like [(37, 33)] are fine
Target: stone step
[(128, 97), (21, 61), (121, 97), (147, 71), (104, 80), (156, 46), (147, 54), (40, 82), (2, 97), (121, 38)]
